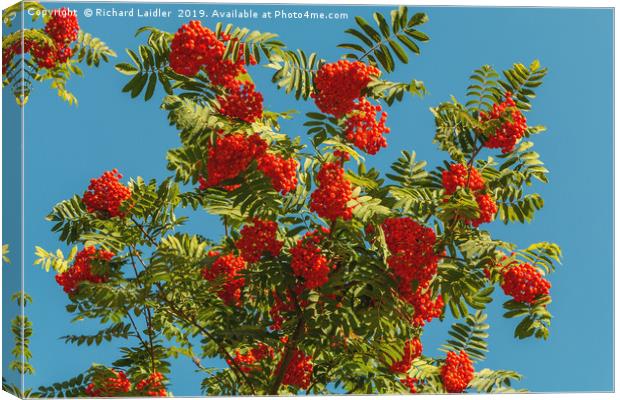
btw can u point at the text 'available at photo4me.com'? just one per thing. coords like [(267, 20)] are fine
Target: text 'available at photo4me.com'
[(206, 12)]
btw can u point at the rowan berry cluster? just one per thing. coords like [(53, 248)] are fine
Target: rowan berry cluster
[(118, 385), (308, 261), (342, 156), (512, 125), (228, 268), (114, 386), (195, 46), (524, 283), (282, 172), (339, 84), (460, 176), (457, 372), (410, 383), (412, 250), (226, 72), (247, 362), (299, 371), (231, 155), (192, 47), (62, 28), (330, 199), (242, 102), (487, 208), (339, 91), (425, 307), (413, 260), (46, 56), (105, 195), (258, 239), (412, 350), (81, 270), (363, 129), (153, 386)]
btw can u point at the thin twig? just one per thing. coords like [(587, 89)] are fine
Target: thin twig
[(133, 323), (147, 314), (144, 232)]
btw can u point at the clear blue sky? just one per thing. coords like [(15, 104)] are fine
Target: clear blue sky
[(66, 146)]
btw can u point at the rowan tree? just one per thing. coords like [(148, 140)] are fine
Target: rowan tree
[(328, 271)]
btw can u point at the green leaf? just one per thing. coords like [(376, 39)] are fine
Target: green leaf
[(378, 44), (150, 89), (126, 69)]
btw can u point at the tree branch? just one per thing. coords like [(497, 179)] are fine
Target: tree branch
[(179, 313), (287, 358)]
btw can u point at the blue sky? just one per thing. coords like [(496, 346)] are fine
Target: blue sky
[(66, 146)]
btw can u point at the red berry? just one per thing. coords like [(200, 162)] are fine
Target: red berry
[(229, 267), (513, 125), (457, 176), (333, 193), (299, 370), (457, 372), (363, 129), (412, 254), (105, 195), (62, 26), (410, 383), (343, 156), (308, 261), (231, 155), (152, 386), (16, 48), (224, 72), (242, 102), (281, 171), (194, 47), (247, 362), (81, 270), (258, 239), (279, 307), (339, 84), (425, 308), (524, 283), (45, 55), (487, 209), (412, 350), (110, 387), (64, 54)]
